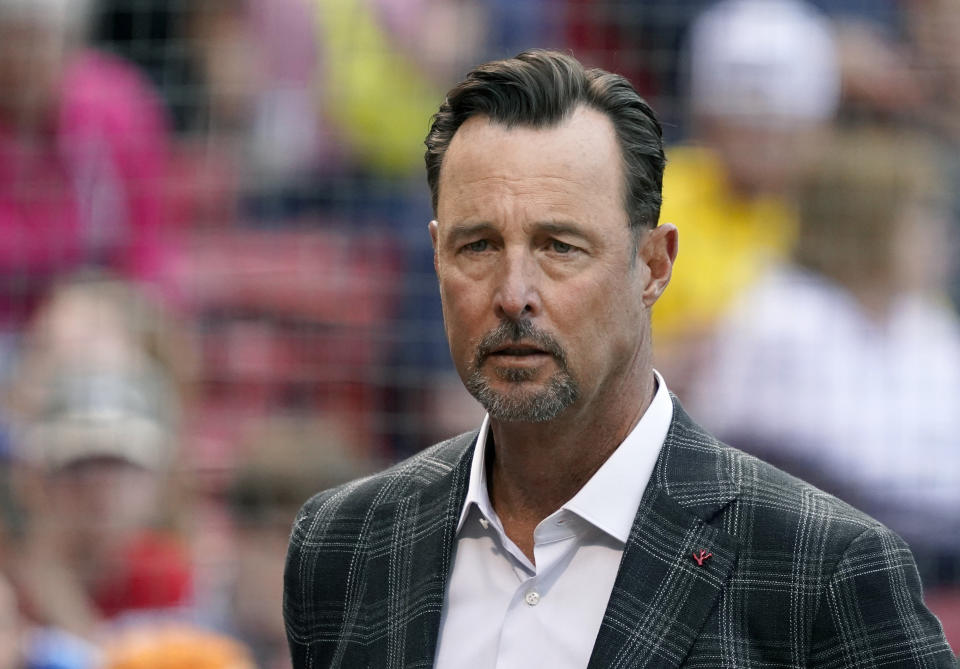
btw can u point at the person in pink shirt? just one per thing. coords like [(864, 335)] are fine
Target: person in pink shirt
[(83, 158)]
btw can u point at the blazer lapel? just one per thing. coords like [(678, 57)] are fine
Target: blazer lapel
[(663, 594), (409, 561)]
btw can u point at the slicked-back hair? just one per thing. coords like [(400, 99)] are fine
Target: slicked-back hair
[(541, 89)]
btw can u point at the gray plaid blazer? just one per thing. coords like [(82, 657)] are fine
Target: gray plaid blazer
[(797, 577)]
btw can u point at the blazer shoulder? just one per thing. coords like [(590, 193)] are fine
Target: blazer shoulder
[(356, 499), (782, 502), (718, 482), (325, 577)]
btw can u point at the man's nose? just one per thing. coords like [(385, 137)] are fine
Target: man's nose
[(518, 288)]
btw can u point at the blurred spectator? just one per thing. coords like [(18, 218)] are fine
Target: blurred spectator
[(259, 65), (764, 86), (934, 26), (83, 158), (96, 407), (94, 547), (285, 459), (844, 365)]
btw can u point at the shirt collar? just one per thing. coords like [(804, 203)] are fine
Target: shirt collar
[(477, 494), (610, 499)]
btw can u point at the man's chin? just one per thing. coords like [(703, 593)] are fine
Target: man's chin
[(529, 400), (511, 379), (521, 410)]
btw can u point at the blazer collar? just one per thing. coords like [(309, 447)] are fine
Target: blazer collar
[(693, 469), (663, 593)]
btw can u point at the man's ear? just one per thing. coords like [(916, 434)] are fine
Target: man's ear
[(658, 252), (434, 232)]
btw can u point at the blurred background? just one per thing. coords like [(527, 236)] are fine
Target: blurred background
[(217, 294)]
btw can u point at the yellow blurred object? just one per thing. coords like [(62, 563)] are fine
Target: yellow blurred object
[(725, 241), (176, 647), (380, 99)]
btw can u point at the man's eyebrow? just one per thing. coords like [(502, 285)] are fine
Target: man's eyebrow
[(562, 228), (461, 230)]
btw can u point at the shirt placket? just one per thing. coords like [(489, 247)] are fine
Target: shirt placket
[(526, 625)]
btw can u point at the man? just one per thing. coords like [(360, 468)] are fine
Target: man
[(589, 522)]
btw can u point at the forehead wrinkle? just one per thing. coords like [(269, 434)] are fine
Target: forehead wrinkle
[(524, 182), (553, 192), (542, 189)]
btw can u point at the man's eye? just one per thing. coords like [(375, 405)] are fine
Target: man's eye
[(560, 247), (478, 246)]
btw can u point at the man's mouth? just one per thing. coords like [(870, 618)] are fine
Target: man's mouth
[(518, 350), (518, 345)]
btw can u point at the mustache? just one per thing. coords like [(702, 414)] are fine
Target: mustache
[(513, 332)]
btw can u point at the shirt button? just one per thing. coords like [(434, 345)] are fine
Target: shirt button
[(532, 598)]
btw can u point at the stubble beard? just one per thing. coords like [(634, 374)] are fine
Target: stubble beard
[(519, 405)]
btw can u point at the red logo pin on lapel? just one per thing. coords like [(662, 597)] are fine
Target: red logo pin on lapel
[(702, 557)]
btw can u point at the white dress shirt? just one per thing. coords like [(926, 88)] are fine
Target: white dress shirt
[(500, 610)]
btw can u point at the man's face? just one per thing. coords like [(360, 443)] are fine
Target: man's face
[(545, 295)]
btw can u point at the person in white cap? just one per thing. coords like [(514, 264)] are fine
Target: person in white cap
[(764, 85), (94, 416), (94, 469)]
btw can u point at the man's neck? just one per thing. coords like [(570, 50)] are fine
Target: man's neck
[(535, 468)]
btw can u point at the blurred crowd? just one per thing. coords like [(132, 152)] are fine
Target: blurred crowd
[(217, 294)]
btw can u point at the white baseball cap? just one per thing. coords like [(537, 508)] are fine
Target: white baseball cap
[(103, 415), (764, 60)]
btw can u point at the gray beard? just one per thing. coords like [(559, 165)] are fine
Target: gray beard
[(516, 405)]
